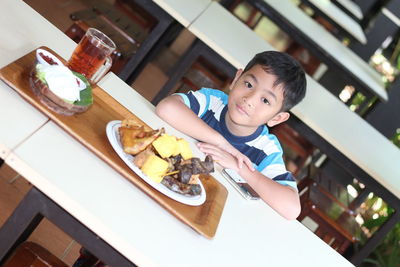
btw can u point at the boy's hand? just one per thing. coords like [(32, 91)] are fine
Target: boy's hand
[(225, 158), (237, 154)]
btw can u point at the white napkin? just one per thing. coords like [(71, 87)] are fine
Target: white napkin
[(61, 81)]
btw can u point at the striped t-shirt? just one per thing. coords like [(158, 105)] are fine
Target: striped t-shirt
[(261, 147)]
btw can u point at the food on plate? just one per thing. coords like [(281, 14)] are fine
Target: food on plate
[(181, 188), (185, 180), (57, 87), (184, 149), (141, 157), (168, 145), (155, 167), (135, 139), (164, 158), (194, 166)]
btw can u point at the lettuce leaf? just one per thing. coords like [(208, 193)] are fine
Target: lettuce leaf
[(86, 95)]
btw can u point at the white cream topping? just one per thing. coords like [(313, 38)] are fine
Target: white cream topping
[(61, 81)]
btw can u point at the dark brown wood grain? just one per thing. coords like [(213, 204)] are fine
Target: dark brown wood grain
[(89, 128)]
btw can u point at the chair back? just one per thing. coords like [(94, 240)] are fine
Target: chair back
[(127, 33), (326, 216), (30, 254)]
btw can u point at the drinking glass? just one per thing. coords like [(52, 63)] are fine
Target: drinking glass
[(92, 56)]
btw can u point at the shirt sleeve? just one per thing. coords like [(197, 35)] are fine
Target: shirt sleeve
[(199, 101), (274, 168)]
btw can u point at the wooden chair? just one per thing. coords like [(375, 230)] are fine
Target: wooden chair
[(334, 221), (30, 254), (309, 62), (198, 50), (127, 33), (203, 74), (298, 151)]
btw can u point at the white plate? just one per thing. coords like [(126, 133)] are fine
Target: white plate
[(113, 137)]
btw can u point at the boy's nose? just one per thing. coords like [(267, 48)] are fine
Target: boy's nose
[(247, 101)]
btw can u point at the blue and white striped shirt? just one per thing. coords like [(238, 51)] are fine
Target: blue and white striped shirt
[(262, 148)]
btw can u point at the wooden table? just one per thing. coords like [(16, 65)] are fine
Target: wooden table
[(338, 18), (324, 45), (134, 225)]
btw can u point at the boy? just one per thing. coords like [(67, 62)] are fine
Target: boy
[(232, 129)]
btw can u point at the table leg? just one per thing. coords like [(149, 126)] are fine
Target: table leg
[(180, 68), (130, 70), (372, 242), (31, 211), (19, 226)]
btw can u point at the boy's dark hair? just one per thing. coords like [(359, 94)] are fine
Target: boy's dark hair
[(289, 73)]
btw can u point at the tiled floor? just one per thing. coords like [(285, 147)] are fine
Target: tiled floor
[(12, 190)]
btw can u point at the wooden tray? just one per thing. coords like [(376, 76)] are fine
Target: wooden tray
[(89, 128)]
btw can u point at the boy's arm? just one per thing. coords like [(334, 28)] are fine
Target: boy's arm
[(176, 113), (284, 199), (173, 110)]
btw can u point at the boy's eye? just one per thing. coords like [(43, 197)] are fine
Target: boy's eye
[(248, 85), (265, 101)]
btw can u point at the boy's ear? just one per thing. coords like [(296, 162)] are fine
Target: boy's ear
[(278, 118), (237, 76)]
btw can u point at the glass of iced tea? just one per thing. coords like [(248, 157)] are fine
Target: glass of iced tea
[(92, 56)]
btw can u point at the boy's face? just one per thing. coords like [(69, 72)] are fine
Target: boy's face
[(254, 101)]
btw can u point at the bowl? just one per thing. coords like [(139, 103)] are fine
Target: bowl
[(51, 100), (48, 97), (46, 58)]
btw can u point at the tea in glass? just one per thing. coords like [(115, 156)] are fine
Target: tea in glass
[(92, 55)]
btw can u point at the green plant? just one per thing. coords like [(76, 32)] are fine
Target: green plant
[(387, 253), (396, 138)]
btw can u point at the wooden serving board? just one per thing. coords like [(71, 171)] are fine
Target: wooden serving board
[(89, 128)]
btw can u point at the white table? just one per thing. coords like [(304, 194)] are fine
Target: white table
[(17, 116), (324, 45), (320, 110), (352, 7), (249, 233), (339, 18), (18, 120), (184, 11)]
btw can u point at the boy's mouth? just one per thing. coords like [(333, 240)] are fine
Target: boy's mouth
[(241, 110)]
